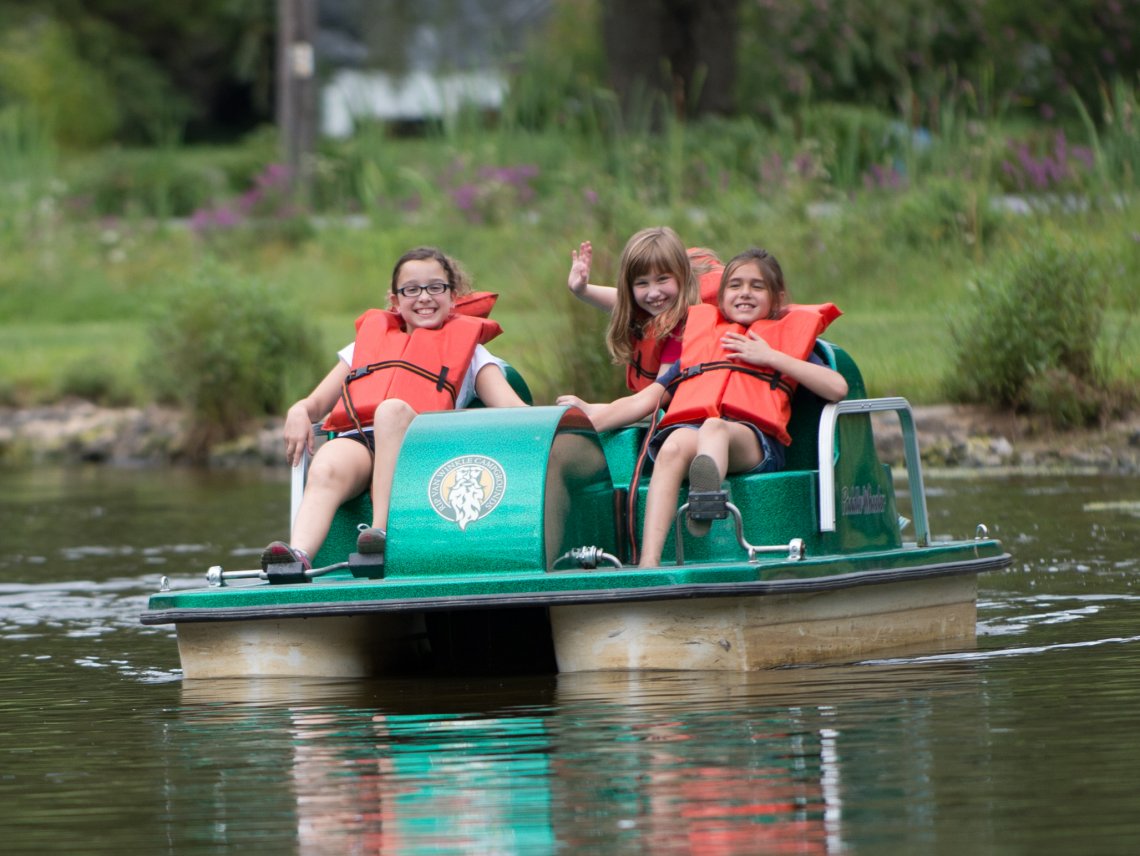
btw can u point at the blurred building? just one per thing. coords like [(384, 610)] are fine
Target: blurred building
[(413, 61)]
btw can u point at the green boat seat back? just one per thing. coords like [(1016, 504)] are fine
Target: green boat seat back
[(803, 453), (518, 384), (785, 505)]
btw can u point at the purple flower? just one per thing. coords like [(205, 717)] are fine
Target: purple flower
[(464, 196)]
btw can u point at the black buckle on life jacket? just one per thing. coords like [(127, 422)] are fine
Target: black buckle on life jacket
[(441, 381)]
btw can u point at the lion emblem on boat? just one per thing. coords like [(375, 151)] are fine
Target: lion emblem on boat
[(466, 489)]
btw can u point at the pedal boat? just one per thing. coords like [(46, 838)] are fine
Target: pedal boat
[(507, 552)]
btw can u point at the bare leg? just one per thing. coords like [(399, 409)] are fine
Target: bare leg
[(339, 472), (670, 468), (732, 446), (390, 424)]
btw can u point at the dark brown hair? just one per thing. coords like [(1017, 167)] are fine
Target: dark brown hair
[(769, 267), (457, 277)]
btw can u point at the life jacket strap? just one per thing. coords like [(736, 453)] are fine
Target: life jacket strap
[(774, 379), (638, 370), (440, 380)]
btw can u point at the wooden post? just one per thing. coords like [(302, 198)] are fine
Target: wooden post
[(297, 90)]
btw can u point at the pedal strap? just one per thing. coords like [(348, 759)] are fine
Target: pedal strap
[(708, 504)]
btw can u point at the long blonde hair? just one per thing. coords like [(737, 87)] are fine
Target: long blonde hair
[(655, 250)]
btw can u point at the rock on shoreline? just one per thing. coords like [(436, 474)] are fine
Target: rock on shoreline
[(949, 436)]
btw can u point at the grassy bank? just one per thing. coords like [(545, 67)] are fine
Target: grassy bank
[(900, 243)]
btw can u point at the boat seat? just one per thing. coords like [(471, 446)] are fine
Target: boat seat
[(623, 444), (791, 496), (803, 453)]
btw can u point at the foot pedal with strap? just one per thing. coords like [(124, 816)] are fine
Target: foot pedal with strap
[(286, 572), (708, 504), (370, 565)]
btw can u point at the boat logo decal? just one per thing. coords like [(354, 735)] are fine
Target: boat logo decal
[(467, 488), (862, 499)]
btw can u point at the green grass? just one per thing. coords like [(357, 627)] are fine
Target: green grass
[(43, 362), (77, 289)]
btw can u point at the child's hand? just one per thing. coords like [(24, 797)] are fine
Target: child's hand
[(750, 349), (574, 401), (298, 434), (580, 260)]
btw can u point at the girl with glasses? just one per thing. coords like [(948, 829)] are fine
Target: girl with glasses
[(424, 353)]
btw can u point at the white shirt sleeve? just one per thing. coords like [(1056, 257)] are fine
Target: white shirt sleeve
[(479, 360), (345, 353)]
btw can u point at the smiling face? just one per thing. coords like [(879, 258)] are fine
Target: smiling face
[(427, 311), (655, 291), (746, 297)]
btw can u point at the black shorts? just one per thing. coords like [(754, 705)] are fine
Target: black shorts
[(366, 439)]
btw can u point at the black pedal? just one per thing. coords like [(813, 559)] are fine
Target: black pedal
[(708, 504), (369, 565), (285, 572)]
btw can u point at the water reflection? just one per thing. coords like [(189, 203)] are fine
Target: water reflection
[(1024, 744), (656, 762)]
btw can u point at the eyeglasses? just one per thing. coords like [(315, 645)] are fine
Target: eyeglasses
[(414, 289)]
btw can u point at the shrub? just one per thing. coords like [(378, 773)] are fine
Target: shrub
[(1032, 325), (944, 213), (41, 69), (227, 349), (97, 382), (144, 183), (1066, 399)]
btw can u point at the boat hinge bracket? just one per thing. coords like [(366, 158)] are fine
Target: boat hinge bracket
[(588, 557), (794, 549)]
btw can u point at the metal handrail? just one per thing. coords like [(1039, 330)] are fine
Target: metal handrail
[(827, 423), (300, 474)]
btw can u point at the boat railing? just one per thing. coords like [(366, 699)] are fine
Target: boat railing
[(300, 473), (827, 424)]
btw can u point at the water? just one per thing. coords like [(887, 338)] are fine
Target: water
[(1025, 744)]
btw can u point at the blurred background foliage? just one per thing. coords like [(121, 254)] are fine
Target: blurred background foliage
[(910, 162)]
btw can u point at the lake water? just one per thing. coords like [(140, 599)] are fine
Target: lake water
[(1027, 743)]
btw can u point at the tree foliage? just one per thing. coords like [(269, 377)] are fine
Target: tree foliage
[(140, 72), (147, 72)]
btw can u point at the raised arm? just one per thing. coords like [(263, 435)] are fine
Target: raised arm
[(602, 297), (825, 382)]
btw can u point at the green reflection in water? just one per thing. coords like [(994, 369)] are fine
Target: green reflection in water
[(1024, 744)]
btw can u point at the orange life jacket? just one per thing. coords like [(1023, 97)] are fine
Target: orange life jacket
[(710, 279), (712, 385), (424, 368), (646, 362)]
